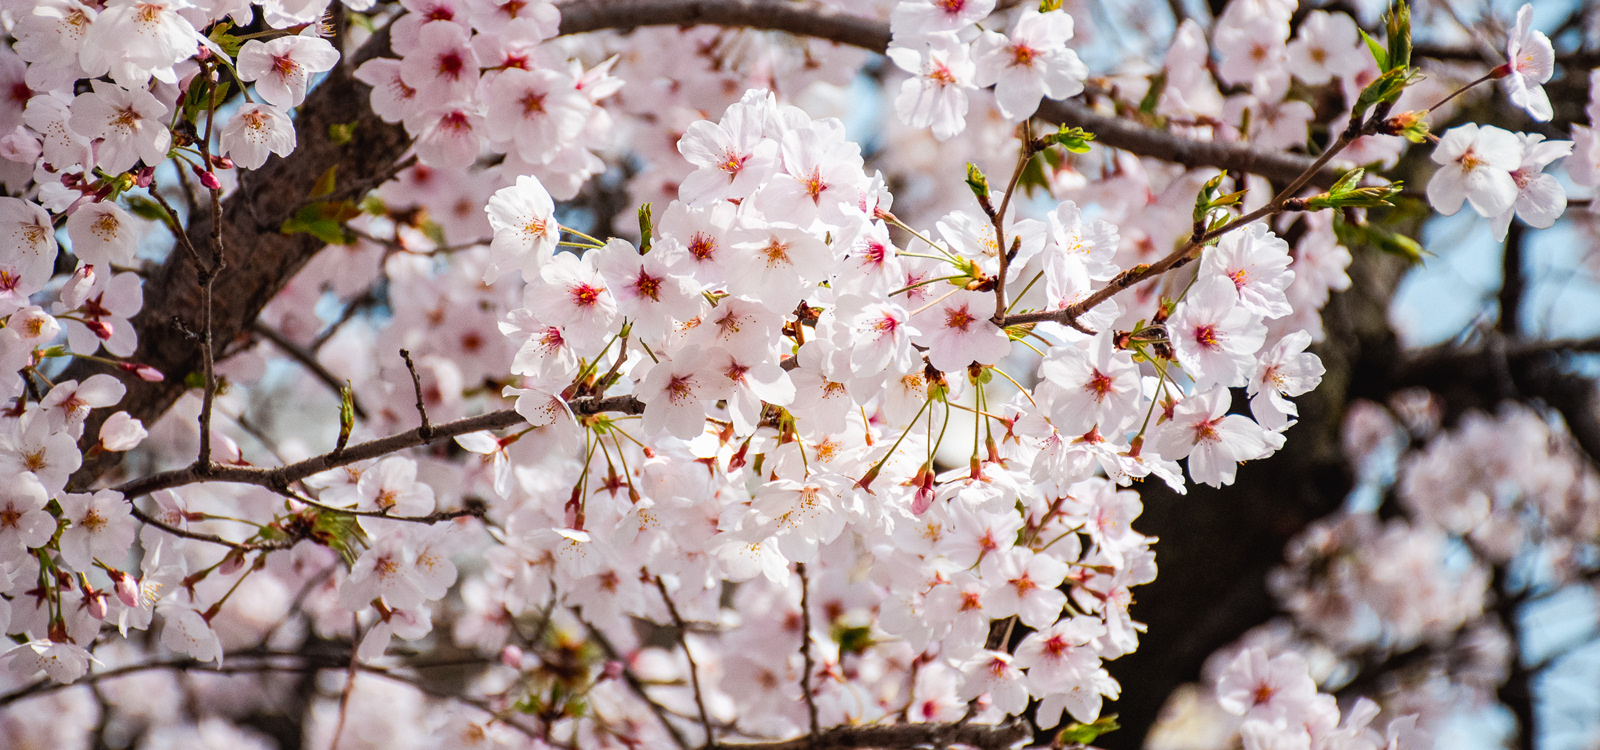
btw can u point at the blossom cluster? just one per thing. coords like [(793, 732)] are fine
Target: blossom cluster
[(873, 464)]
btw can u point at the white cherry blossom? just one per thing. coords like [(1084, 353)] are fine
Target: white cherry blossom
[(1531, 61)]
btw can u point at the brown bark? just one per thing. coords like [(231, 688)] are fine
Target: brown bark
[(260, 259)]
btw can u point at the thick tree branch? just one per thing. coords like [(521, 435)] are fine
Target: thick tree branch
[(981, 736)]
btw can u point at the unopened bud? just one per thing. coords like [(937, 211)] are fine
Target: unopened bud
[(221, 162), (145, 176), (96, 602), (232, 563), (209, 179), (145, 372), (865, 482), (511, 656), (613, 670), (126, 586), (100, 328)]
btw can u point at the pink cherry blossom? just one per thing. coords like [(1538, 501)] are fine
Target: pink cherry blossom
[(282, 67)]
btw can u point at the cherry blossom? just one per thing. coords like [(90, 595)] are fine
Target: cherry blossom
[(1099, 387), (1540, 197), (129, 122), (1285, 369), (99, 527), (165, 37), (282, 68), (958, 331), (1325, 47), (525, 229), (1029, 63), (918, 19), (936, 96), (103, 234), (1213, 440), (255, 131), (1531, 61), (1475, 166), (1214, 334)]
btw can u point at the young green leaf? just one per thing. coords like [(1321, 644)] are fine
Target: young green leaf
[(646, 229)]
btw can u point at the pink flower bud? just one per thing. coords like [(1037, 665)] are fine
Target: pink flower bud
[(126, 586), (96, 601), (209, 179), (121, 432), (613, 670), (231, 564), (511, 656), (145, 372), (221, 162), (145, 177), (100, 328)]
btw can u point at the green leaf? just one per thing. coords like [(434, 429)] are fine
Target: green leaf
[(1366, 235), (145, 208), (228, 42), (325, 183), (1083, 734), (435, 232), (646, 229), (341, 134), (1152, 95), (325, 221), (347, 413), (1398, 25), (853, 640), (373, 205), (1034, 177), (977, 182), (1075, 140), (1207, 197), (341, 533), (1380, 55), (1386, 88)]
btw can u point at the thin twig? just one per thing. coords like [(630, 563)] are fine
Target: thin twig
[(633, 683), (694, 670), (431, 518), (212, 538), (999, 219), (308, 360), (886, 736), (1133, 276), (426, 430), (350, 681), (283, 476), (805, 649)]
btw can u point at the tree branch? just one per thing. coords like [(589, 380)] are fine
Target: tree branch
[(981, 736), (873, 35), (307, 359), (283, 476), (637, 686)]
